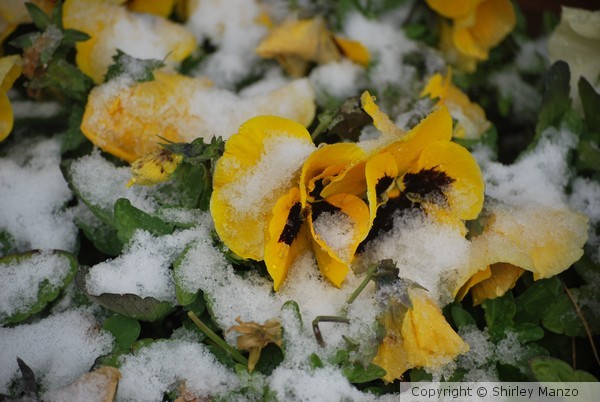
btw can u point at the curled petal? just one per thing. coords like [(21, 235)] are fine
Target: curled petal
[(381, 121), (260, 164), (503, 277), (446, 175), (287, 236), (338, 225), (480, 276), (325, 165)]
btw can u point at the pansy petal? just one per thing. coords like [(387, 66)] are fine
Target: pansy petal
[(453, 9), (10, 69), (391, 355), (164, 8), (480, 276), (539, 239), (437, 126), (259, 165), (503, 277), (381, 121), (380, 171), (323, 165), (286, 237), (494, 20), (446, 173), (104, 20), (353, 50), (331, 269), (6, 116), (429, 340)]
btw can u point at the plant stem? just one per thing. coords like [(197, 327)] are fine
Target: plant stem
[(584, 322), (325, 318), (363, 284), (237, 356)]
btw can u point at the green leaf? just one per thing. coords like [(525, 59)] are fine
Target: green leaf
[(556, 100), (415, 30), (295, 308), (103, 236), (356, 373), (344, 122), (139, 70), (315, 361), (549, 369), (561, 317), (71, 36), (72, 138), (129, 305), (499, 313), (590, 101), (125, 330), (528, 332), (461, 317), (128, 219), (197, 151), (588, 155), (46, 292), (7, 243), (39, 18), (419, 374), (270, 357), (66, 77), (534, 302), (25, 41), (184, 297)]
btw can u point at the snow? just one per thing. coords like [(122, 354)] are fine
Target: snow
[(585, 198), (336, 229), (338, 80), (22, 279), (32, 220), (58, 348)]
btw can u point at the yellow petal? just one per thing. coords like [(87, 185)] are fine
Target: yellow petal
[(307, 40), (354, 50), (6, 116), (480, 276), (286, 236), (381, 121), (539, 239), (437, 126), (381, 172), (260, 164), (391, 355), (10, 70), (503, 277), (446, 175), (338, 225), (125, 120), (455, 8), (324, 165), (105, 20), (164, 8), (429, 340)]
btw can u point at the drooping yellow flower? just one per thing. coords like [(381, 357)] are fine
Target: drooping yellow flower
[(10, 70), (477, 27), (296, 43), (148, 36), (472, 122), (420, 338), (154, 168), (539, 239), (14, 13), (126, 119)]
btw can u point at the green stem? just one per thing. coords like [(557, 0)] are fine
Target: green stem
[(237, 356), (363, 284), (325, 318), (319, 129)]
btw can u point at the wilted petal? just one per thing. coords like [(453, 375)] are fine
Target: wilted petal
[(260, 164), (503, 277), (381, 121)]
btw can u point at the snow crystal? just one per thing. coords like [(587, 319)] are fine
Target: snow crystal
[(585, 198), (33, 195), (58, 348), (101, 183), (478, 360), (27, 109), (525, 99), (428, 253), (539, 177), (164, 365), (235, 34), (21, 279), (280, 161), (143, 268)]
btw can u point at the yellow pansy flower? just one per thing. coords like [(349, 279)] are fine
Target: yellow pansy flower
[(10, 70), (296, 43), (420, 337), (154, 168), (472, 122), (477, 27), (103, 20), (126, 119)]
